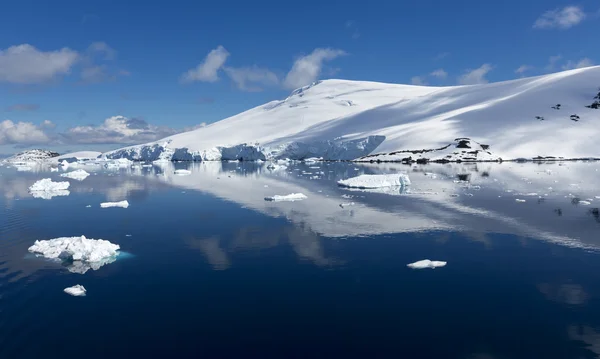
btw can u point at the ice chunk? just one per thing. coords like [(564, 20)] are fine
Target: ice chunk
[(84, 253), (78, 175), (520, 200), (289, 198), (183, 172), (46, 189), (122, 204), (53, 169), (76, 290), (585, 203), (376, 181), (426, 263)]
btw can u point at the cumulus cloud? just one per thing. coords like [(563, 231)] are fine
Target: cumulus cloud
[(439, 73), (418, 81), (475, 76), (117, 129), (307, 69), (249, 78), (24, 133), (24, 64), (23, 107), (564, 18), (207, 71), (585, 62)]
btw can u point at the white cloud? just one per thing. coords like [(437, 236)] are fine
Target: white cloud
[(118, 129), (102, 48), (307, 69), (564, 18), (24, 133), (441, 56), (24, 64), (439, 73), (207, 71), (476, 76), (585, 62), (94, 73), (247, 78), (523, 68), (418, 81)]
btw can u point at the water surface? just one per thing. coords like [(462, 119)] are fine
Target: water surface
[(216, 271)]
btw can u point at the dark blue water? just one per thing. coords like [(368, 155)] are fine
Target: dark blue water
[(215, 271)]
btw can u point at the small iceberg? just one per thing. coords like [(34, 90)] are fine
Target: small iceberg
[(80, 253), (76, 291), (426, 263), (46, 189), (286, 198), (121, 204), (183, 172), (376, 181), (78, 175), (520, 200), (53, 169)]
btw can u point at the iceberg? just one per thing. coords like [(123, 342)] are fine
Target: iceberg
[(376, 181), (426, 263), (78, 175), (121, 204), (76, 291), (46, 189), (286, 198), (81, 253)]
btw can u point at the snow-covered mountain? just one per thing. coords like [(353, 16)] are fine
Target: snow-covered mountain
[(546, 116), (36, 155)]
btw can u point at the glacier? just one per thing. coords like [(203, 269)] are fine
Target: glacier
[(341, 120)]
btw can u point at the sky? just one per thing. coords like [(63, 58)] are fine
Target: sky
[(69, 68)]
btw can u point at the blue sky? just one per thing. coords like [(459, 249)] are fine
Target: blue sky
[(67, 66)]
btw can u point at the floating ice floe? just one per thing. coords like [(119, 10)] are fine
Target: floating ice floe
[(53, 169), (426, 263), (121, 204), (81, 253), (288, 198), (376, 181), (46, 189), (76, 291), (520, 200), (23, 168), (78, 175), (183, 172), (585, 203)]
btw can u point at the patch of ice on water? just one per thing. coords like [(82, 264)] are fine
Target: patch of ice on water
[(183, 172), (520, 200), (376, 181), (121, 204), (287, 198), (585, 203), (84, 253), (76, 291), (53, 169), (78, 175), (426, 263)]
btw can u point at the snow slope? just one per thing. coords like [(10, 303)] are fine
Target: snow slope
[(345, 120)]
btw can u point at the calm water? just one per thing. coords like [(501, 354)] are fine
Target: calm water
[(215, 271)]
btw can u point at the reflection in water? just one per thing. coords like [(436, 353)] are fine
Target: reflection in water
[(587, 335), (572, 294), (213, 252)]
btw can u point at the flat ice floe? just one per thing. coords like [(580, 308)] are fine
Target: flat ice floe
[(121, 204), (183, 172), (46, 189), (78, 175), (376, 181), (84, 253), (426, 263), (76, 291), (286, 198)]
